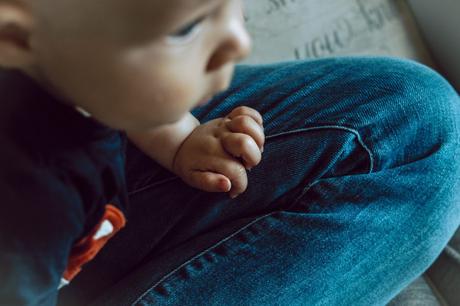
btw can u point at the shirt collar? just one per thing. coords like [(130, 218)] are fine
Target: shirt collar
[(35, 115)]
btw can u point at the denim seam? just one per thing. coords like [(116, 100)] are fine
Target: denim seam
[(304, 191), (337, 127), (325, 127), (153, 185), (201, 254)]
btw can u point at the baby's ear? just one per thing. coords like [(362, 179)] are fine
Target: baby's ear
[(15, 33)]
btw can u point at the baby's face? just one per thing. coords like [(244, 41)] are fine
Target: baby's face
[(137, 64)]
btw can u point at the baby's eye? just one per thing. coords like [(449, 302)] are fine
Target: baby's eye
[(187, 30)]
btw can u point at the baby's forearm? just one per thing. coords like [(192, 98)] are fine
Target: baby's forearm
[(162, 143)]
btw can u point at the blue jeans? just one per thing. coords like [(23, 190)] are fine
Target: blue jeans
[(356, 195)]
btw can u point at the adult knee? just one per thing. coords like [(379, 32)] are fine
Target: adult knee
[(431, 108), (422, 107)]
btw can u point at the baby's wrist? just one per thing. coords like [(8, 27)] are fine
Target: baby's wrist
[(163, 143)]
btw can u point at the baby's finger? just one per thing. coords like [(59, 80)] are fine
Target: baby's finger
[(247, 111), (242, 146), (247, 125), (209, 181), (235, 171)]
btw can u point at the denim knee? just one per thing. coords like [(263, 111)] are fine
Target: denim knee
[(420, 108), (409, 117), (438, 108), (433, 98), (430, 107)]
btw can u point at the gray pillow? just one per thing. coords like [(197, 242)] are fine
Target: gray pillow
[(299, 29)]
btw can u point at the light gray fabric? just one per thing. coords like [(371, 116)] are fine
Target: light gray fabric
[(444, 274), (455, 241), (440, 284), (418, 293)]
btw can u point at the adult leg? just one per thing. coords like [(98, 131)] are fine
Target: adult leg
[(354, 198)]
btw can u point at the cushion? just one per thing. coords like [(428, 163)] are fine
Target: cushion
[(287, 30)]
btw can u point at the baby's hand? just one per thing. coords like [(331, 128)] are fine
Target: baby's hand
[(215, 156)]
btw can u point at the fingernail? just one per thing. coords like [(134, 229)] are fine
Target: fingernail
[(223, 185), (262, 150), (233, 196)]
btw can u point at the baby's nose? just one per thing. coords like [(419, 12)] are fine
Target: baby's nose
[(236, 45)]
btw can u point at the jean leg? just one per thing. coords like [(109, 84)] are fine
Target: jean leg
[(355, 196)]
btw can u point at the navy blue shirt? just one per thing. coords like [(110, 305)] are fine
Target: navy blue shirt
[(61, 174)]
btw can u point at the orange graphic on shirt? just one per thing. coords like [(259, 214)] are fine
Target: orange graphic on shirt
[(86, 248)]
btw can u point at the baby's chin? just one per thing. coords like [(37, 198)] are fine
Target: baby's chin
[(156, 122)]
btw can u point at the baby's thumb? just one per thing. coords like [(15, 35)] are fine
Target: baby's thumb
[(210, 182)]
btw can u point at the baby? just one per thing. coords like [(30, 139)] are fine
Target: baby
[(138, 67), (141, 67)]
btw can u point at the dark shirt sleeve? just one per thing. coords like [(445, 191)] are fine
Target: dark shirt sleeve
[(41, 215)]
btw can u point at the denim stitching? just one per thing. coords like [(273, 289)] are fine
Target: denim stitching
[(152, 185), (342, 128), (200, 254), (336, 127), (325, 127), (304, 191)]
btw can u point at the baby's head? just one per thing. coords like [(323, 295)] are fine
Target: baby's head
[(132, 64)]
